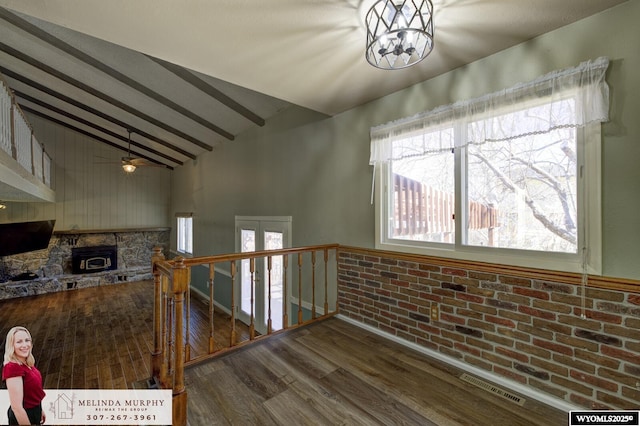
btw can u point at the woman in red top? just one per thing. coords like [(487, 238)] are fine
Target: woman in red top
[(24, 381)]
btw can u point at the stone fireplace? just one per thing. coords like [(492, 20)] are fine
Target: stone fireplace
[(78, 259)]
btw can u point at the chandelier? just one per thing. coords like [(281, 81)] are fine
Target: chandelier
[(399, 33)]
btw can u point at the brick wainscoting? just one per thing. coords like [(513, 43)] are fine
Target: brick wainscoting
[(525, 325)]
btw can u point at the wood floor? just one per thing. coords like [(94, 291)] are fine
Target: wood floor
[(333, 373), (326, 374), (94, 338), (100, 337)]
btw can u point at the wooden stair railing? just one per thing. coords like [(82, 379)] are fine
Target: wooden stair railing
[(172, 334)]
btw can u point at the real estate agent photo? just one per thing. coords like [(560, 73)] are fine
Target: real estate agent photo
[(23, 379)]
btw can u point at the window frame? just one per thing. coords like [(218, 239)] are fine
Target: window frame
[(182, 228), (588, 258)]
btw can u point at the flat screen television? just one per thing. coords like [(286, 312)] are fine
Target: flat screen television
[(23, 237)]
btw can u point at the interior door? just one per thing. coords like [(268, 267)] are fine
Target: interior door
[(259, 289)]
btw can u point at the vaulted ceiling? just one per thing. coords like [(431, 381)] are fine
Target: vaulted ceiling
[(185, 76)]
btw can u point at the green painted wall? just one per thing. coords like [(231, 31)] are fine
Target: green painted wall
[(315, 168), (222, 285)]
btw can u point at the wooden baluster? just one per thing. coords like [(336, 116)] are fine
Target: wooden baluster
[(180, 287), (299, 288), (212, 345), (285, 305), (170, 333), (42, 162), (187, 338), (252, 326), (313, 285), (156, 355), (14, 142), (33, 160), (233, 304), (326, 281), (269, 324), (166, 323)]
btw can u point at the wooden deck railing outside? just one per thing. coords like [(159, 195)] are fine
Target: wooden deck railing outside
[(421, 209), (309, 274)]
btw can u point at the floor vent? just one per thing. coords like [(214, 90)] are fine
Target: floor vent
[(492, 388)]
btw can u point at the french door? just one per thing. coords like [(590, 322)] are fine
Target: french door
[(255, 284)]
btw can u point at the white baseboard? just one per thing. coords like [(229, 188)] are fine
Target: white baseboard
[(510, 384), (307, 305), (205, 297)]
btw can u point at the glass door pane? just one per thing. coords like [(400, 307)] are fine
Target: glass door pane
[(267, 282), (274, 240), (247, 244)]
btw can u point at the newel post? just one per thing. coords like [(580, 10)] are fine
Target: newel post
[(180, 287), (156, 356)]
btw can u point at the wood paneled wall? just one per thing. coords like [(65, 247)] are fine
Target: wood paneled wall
[(89, 193)]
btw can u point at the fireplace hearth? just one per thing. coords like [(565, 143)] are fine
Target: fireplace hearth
[(88, 260)]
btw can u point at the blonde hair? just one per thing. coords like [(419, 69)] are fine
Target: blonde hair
[(9, 347)]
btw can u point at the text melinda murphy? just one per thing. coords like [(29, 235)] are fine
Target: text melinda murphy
[(102, 406)]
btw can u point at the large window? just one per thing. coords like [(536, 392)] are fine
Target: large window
[(512, 177), (184, 233)]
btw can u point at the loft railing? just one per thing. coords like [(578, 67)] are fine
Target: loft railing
[(299, 286), (17, 139)]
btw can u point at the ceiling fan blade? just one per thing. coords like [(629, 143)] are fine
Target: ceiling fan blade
[(140, 162)]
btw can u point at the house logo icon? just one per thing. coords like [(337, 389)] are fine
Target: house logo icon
[(62, 407)]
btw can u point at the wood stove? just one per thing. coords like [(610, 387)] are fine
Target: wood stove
[(88, 260)]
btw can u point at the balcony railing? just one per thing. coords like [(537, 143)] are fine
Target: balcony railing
[(17, 139), (299, 286)]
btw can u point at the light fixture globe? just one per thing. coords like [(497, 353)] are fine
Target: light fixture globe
[(399, 33), (128, 168)]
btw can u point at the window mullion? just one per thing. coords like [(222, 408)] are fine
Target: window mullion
[(460, 184)]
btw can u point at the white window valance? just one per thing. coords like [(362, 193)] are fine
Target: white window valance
[(569, 98)]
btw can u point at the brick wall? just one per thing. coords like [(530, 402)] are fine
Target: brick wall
[(539, 332)]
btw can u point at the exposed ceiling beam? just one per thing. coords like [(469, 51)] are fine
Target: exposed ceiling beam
[(92, 125), (49, 70), (205, 87), (94, 111), (89, 134), (112, 72)]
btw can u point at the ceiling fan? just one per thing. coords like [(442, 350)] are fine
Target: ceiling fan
[(130, 164)]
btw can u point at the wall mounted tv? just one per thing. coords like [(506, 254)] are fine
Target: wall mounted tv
[(24, 237)]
